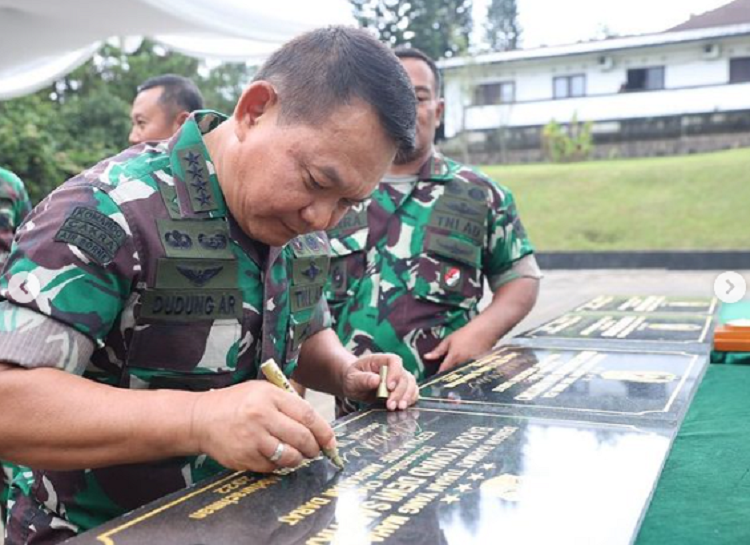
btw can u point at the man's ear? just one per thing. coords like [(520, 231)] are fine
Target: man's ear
[(439, 111), (180, 118), (257, 100)]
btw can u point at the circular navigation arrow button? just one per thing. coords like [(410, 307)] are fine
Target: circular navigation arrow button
[(730, 287)]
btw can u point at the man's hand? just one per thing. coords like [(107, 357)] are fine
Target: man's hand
[(361, 380), (241, 427), (460, 346)]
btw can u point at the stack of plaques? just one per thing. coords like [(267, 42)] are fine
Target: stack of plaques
[(555, 440), (644, 322)]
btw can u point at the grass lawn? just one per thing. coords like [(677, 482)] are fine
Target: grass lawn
[(673, 203)]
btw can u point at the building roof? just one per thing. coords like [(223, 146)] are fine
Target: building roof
[(602, 46), (733, 13)]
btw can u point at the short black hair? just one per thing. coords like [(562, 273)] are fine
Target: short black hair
[(179, 94), (414, 53), (323, 69)]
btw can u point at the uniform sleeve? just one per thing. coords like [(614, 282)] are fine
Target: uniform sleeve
[(71, 269), (507, 241), (321, 318)]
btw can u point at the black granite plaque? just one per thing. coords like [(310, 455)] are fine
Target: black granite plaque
[(654, 329), (650, 304), (602, 385), (426, 477)]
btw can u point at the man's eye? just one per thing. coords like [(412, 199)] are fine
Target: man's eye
[(314, 183)]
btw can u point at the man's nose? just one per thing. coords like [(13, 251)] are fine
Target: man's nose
[(133, 137), (319, 214)]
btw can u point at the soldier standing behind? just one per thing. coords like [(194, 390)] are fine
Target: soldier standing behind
[(162, 105), (14, 207), (168, 273), (408, 269)]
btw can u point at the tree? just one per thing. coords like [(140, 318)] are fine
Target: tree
[(502, 29), (59, 131), (440, 28)]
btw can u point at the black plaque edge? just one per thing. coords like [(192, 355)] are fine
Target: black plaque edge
[(707, 328), (655, 347), (714, 305)]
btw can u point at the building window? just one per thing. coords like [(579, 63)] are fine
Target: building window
[(569, 86), (645, 79), (739, 70), (488, 94)]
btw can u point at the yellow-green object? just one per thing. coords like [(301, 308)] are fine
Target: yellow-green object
[(383, 387), (274, 375)]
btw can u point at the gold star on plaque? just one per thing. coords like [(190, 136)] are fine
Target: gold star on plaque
[(506, 487), (449, 498), (476, 476), (463, 487)]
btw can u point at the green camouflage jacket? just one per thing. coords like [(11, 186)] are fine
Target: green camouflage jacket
[(14, 207), (146, 281), (408, 269)]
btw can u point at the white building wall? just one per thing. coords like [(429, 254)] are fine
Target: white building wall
[(694, 83), (695, 100)]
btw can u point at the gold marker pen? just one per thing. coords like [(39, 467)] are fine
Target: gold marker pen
[(383, 386), (274, 375)]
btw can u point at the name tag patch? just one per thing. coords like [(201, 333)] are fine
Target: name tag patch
[(304, 297), (458, 224), (191, 305), (354, 220)]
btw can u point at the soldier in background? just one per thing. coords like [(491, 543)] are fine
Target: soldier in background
[(167, 274), (15, 205), (408, 269), (162, 105)]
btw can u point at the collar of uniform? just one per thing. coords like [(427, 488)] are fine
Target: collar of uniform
[(201, 193), (435, 169)]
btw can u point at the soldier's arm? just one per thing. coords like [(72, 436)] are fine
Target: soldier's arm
[(327, 366), (510, 303), (510, 267), (56, 420)]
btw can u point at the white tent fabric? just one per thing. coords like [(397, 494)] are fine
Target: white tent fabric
[(42, 40)]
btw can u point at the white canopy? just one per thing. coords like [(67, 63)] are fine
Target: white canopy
[(42, 40)]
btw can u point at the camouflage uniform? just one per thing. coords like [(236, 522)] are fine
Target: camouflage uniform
[(148, 282), (408, 269), (14, 207)]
